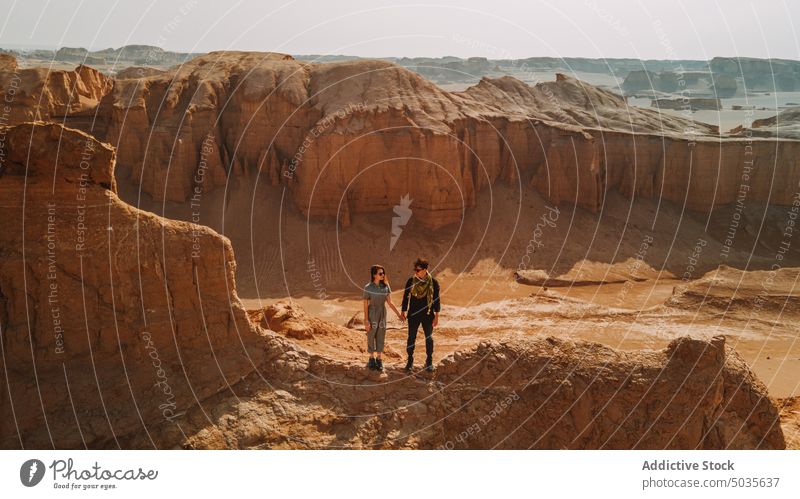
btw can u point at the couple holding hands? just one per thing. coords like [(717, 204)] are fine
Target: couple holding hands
[(420, 300)]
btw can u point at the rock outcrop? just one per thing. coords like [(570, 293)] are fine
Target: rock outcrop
[(333, 132), (69, 97), (293, 322), (547, 394), (8, 62), (52, 95), (134, 72), (112, 318), (790, 421)]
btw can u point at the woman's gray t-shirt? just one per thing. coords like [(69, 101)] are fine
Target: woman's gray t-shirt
[(377, 303)]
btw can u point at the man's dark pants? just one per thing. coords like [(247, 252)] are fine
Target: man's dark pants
[(414, 321)]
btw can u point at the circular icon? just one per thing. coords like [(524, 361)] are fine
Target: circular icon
[(31, 472)]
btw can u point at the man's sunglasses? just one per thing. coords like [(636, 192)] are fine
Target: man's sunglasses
[(417, 269)]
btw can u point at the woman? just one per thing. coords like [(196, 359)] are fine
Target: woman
[(376, 295)]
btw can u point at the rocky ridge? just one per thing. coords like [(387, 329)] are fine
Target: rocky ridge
[(357, 124)]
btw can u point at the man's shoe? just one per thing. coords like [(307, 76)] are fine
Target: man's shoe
[(378, 365), (429, 365), (371, 364), (410, 364)]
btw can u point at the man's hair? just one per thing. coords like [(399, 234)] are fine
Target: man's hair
[(421, 263)]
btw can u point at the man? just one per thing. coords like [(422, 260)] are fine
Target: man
[(421, 300)]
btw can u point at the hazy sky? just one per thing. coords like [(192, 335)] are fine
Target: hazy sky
[(675, 29)]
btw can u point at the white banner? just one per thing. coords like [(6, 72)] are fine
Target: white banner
[(405, 474)]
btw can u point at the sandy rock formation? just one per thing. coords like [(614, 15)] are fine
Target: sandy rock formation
[(790, 421), (732, 291), (571, 102), (293, 322), (335, 131), (547, 394), (52, 95), (206, 120), (112, 318), (586, 277), (134, 72)]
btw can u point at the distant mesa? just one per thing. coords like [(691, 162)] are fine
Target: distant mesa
[(135, 54), (693, 104), (689, 84)]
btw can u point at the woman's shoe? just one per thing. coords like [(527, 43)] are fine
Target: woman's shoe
[(371, 364), (378, 365)]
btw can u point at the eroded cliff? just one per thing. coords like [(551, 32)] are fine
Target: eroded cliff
[(355, 136), (112, 318)]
